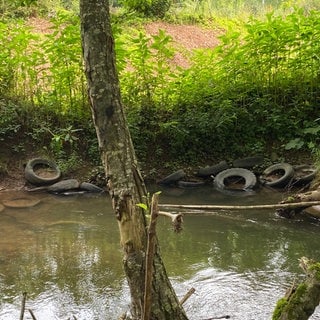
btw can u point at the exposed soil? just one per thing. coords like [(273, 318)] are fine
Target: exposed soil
[(185, 39)]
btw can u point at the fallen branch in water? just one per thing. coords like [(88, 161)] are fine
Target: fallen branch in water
[(176, 219), (187, 296), (32, 314), (222, 317), (223, 207), (23, 305)]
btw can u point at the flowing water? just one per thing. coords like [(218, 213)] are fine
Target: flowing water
[(64, 252)]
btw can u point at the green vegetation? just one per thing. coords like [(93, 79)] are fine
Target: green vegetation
[(283, 303), (257, 91)]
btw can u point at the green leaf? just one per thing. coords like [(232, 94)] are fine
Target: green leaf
[(294, 144), (143, 206)]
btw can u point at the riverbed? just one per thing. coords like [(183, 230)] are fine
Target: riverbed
[(64, 252)]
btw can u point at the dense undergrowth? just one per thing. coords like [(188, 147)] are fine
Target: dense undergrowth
[(257, 92)]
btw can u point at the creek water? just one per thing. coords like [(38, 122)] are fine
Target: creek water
[(64, 252)]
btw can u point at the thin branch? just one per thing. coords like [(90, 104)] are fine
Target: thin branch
[(176, 219), (23, 305), (149, 258), (32, 314), (222, 317), (187, 296)]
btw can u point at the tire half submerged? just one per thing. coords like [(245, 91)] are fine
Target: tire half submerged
[(248, 177)]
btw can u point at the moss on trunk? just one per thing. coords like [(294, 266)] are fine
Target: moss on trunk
[(301, 301)]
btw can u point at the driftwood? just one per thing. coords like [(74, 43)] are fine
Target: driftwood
[(300, 301), (306, 197), (313, 195), (289, 205)]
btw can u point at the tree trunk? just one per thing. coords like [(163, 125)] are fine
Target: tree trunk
[(125, 183), (300, 301)]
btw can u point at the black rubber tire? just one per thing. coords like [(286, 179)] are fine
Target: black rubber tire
[(64, 185), (286, 174), (212, 170), (173, 177), (248, 162), (190, 184), (248, 176), (89, 187), (32, 177), (310, 174)]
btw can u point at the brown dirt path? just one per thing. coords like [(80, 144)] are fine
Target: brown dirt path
[(185, 38)]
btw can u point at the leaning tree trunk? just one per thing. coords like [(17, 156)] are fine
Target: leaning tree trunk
[(125, 183), (301, 300)]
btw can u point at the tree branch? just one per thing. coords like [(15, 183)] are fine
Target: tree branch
[(23, 305), (149, 258), (223, 207), (187, 296), (176, 219)]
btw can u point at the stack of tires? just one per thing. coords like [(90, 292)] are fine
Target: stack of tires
[(243, 176), (46, 175)]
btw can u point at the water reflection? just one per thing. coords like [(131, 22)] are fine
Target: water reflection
[(65, 253)]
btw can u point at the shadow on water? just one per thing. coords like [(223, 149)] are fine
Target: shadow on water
[(65, 253)]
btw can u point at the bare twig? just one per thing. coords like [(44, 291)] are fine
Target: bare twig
[(23, 305), (187, 296), (176, 219), (149, 258), (222, 317), (32, 314)]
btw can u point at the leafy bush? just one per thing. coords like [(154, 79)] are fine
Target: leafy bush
[(148, 8), (259, 88)]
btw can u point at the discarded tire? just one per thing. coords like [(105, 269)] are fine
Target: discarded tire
[(277, 175), (89, 187), (248, 162), (212, 170), (190, 184), (303, 174), (42, 172), (235, 179), (64, 185), (173, 178)]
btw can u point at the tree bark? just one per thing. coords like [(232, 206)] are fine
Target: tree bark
[(125, 182), (300, 301)]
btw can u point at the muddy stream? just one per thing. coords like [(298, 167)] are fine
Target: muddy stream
[(64, 252)]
